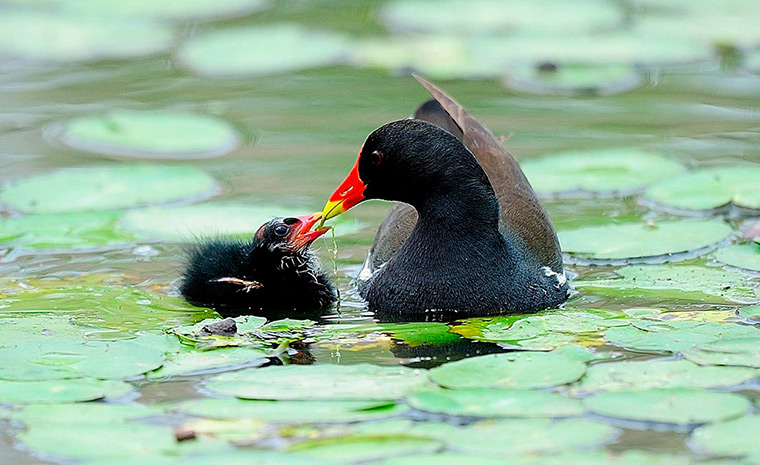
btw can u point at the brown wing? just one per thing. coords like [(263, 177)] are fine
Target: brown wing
[(521, 212)]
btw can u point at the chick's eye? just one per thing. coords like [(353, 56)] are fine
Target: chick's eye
[(376, 157), (281, 231)]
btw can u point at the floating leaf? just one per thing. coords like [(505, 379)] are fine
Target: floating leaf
[(64, 38), (678, 406), (261, 50), (524, 370), (85, 413), (676, 336), (57, 391), (606, 242), (106, 188), (195, 362), (295, 412), (574, 80), (320, 382), (732, 438), (172, 10), (652, 374), (677, 282), (351, 449), (730, 352), (209, 220), (441, 459), (609, 171), (64, 231), (496, 403), (149, 134), (745, 256), (710, 188)]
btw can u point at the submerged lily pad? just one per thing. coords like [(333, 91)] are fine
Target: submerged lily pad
[(640, 240), (352, 449), (732, 438), (294, 412), (524, 370), (261, 50), (64, 38), (710, 188), (58, 391), (678, 406), (149, 134), (496, 403), (745, 256), (64, 231), (653, 374), (620, 170), (320, 382), (208, 220), (106, 188), (677, 283), (676, 336), (574, 79)]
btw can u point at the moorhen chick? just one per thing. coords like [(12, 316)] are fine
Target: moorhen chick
[(273, 275), (470, 237)]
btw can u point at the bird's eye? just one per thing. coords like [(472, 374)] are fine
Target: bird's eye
[(376, 157), (281, 231)]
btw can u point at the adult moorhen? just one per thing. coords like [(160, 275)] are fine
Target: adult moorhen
[(482, 243), (272, 275)]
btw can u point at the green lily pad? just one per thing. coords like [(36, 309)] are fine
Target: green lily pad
[(250, 331), (751, 313), (293, 412), (106, 188), (481, 16), (496, 403), (732, 438), (227, 456), (85, 413), (196, 362), (66, 38), (352, 449), (677, 283), (441, 459), (39, 328), (574, 80), (320, 382), (261, 50), (610, 171), (709, 189), (745, 256), (542, 332), (639, 240), (524, 370), (208, 220), (173, 10), (677, 406), (58, 391), (64, 231), (653, 374), (727, 352), (676, 336), (149, 134), (723, 27)]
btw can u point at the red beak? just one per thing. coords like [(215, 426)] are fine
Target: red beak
[(303, 236), (348, 194)]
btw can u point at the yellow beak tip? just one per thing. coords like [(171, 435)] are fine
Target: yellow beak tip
[(331, 210)]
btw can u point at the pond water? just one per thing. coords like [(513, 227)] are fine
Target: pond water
[(654, 360)]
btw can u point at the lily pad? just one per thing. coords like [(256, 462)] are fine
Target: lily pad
[(58, 391), (543, 332), (677, 406), (610, 171), (196, 362), (149, 134), (293, 412), (320, 382), (677, 283), (86, 413), (653, 374), (261, 50), (68, 38), (524, 370), (676, 336), (708, 189), (64, 231), (732, 438), (106, 188), (481, 16), (640, 240), (441, 459), (208, 220), (745, 256), (574, 79), (172, 10), (727, 352), (496, 403), (352, 449)]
